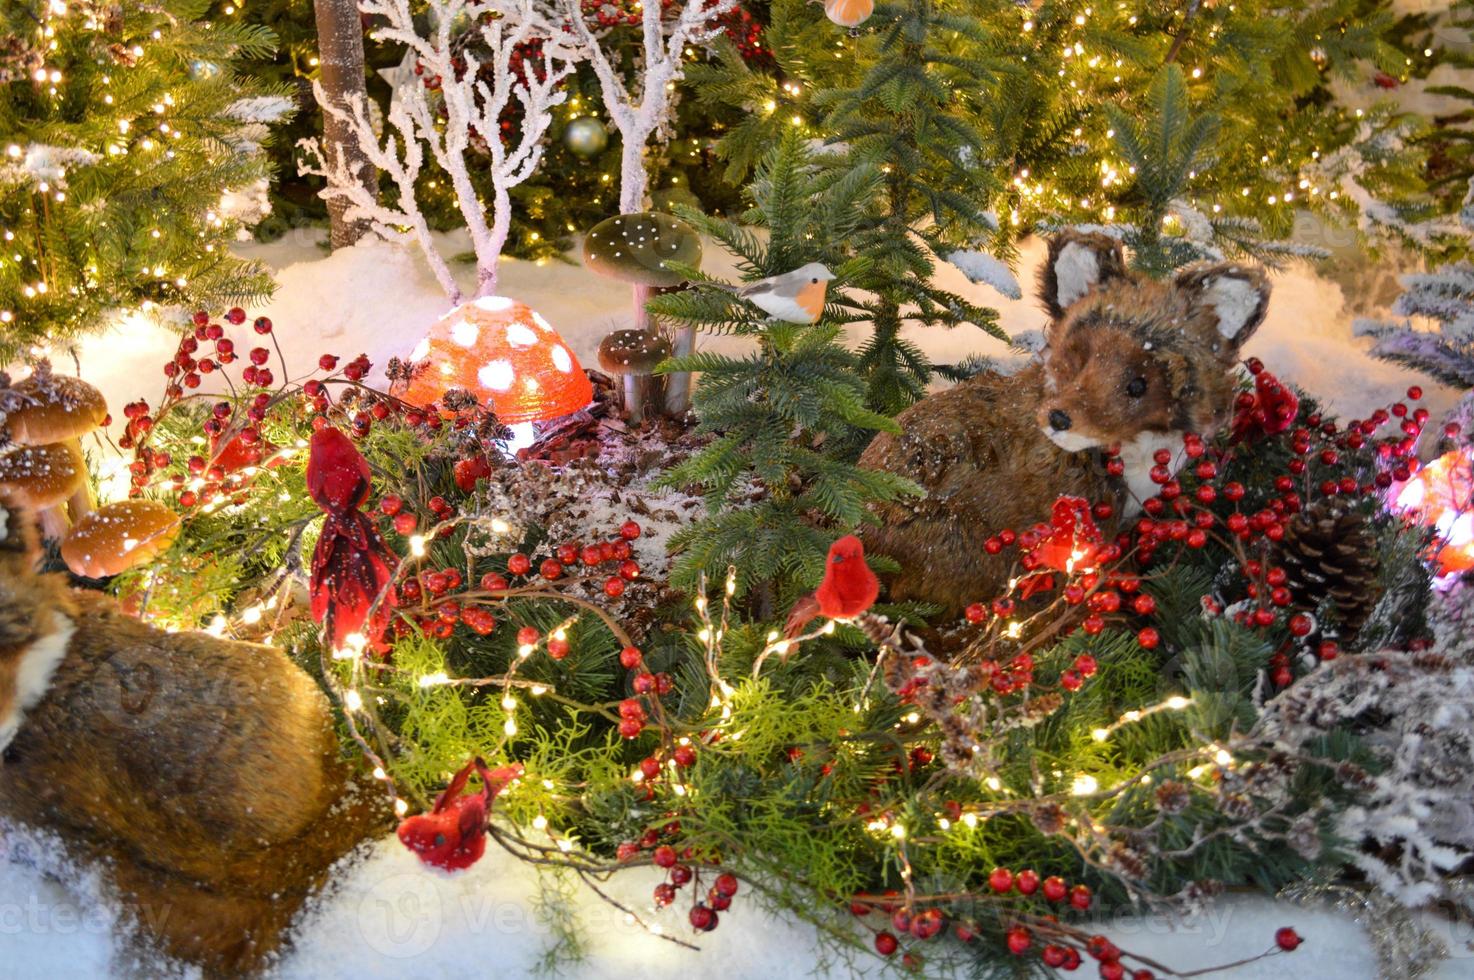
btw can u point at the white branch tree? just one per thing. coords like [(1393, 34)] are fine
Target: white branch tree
[(641, 107), (472, 104)]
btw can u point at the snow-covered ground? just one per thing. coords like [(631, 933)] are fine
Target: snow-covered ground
[(387, 916)]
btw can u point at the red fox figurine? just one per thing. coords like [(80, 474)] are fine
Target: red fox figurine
[(1128, 361), (202, 774)]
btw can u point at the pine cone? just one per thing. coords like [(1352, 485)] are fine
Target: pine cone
[(1049, 818), (1173, 797), (1330, 555)]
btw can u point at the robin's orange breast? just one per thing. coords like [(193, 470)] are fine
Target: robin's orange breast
[(811, 298)]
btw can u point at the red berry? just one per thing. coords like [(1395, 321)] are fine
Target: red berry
[(886, 944), (1301, 624), (976, 613), (927, 924), (685, 756), (558, 648), (235, 315), (630, 658), (493, 582), (528, 636), (1080, 897), (1055, 888), (629, 570), (665, 893), (1144, 605), (702, 918), (551, 569), (1287, 939), (665, 856), (631, 727), (726, 884), (405, 523), (519, 564), (629, 530), (1027, 881), (1149, 638), (1019, 940), (1001, 880), (614, 586)]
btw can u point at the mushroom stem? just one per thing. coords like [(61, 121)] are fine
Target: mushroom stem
[(83, 502), (53, 523), (636, 395), (678, 384)]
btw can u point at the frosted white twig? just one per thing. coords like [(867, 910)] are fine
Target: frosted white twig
[(641, 107), (473, 107)]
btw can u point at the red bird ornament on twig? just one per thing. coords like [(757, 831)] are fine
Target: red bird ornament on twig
[(452, 836), (351, 565), (849, 588)]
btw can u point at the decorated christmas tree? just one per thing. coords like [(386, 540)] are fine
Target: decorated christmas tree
[(133, 157)]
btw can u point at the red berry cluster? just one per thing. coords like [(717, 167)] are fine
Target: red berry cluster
[(435, 591), (233, 433), (682, 868), (572, 554)]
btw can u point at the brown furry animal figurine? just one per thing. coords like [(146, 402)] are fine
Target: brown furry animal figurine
[(203, 774), (1128, 361)]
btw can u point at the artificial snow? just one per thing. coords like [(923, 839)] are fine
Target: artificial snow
[(385, 914)]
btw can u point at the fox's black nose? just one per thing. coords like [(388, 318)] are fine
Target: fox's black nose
[(1059, 420)]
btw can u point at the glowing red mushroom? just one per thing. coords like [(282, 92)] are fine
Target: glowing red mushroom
[(505, 354)]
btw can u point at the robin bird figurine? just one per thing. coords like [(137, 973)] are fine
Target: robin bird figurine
[(795, 297), (849, 588)]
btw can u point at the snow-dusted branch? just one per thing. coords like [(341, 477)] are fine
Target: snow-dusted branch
[(642, 107), (474, 97)]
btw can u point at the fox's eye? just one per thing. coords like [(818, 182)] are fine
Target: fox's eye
[(1136, 387)]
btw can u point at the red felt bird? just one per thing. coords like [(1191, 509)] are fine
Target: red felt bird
[(452, 836), (849, 588), (351, 565)]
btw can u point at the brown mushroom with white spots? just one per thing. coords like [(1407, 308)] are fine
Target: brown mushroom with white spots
[(45, 411), (641, 249), (633, 355), (119, 536), (42, 479)]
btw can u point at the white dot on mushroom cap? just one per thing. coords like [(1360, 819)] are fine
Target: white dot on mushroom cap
[(537, 318), (421, 351), (129, 544), (465, 333), (518, 335), (562, 360), (498, 375), (494, 304), (531, 385)]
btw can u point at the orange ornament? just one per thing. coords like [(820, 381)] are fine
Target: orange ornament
[(1441, 496), (505, 354), (849, 13)]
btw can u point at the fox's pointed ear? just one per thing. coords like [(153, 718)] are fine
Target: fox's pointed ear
[(1236, 295), (1078, 262)]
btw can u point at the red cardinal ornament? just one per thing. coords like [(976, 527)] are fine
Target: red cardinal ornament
[(849, 588), (452, 836), (351, 564), (1269, 410)]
